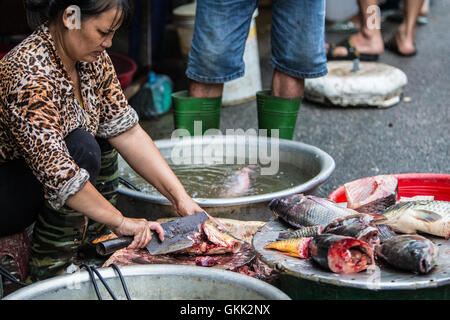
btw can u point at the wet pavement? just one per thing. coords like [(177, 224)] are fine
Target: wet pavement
[(408, 137)]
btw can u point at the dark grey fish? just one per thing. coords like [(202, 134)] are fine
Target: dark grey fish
[(409, 252), (357, 226), (305, 211), (303, 232), (385, 232)]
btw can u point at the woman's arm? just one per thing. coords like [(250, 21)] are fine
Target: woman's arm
[(141, 153), (94, 206)]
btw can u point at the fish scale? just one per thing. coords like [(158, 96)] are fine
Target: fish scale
[(428, 216), (305, 211)]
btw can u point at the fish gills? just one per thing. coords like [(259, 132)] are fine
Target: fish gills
[(341, 254), (356, 226), (292, 247), (432, 217), (409, 252)]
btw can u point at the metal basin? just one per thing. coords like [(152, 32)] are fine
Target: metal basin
[(155, 282), (307, 158)]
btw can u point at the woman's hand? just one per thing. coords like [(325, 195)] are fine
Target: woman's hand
[(185, 206), (141, 229)]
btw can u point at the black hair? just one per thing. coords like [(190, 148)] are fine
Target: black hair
[(40, 11)]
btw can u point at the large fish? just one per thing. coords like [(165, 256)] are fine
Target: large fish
[(297, 247), (432, 217), (357, 226), (409, 252), (304, 210), (372, 194), (341, 254)]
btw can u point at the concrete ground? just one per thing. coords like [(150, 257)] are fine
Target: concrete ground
[(408, 137)]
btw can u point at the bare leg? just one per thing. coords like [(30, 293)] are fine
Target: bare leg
[(368, 40), (406, 32), (205, 90), (286, 86)]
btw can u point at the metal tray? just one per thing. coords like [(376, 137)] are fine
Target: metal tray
[(378, 278)]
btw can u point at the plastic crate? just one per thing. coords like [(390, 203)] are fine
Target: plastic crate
[(410, 185)]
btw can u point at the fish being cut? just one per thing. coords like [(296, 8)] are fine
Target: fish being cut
[(409, 252), (305, 210), (292, 247), (357, 226), (372, 194), (341, 254), (427, 216)]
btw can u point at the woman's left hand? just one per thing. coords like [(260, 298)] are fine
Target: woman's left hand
[(187, 206)]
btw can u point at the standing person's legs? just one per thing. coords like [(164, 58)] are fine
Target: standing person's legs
[(406, 33), (216, 56), (297, 38), (217, 49), (368, 40)]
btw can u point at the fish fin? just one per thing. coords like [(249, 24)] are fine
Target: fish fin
[(427, 215), (296, 255)]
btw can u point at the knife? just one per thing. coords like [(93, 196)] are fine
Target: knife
[(178, 235)]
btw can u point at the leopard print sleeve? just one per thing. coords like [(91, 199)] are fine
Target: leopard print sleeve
[(116, 115), (33, 121)]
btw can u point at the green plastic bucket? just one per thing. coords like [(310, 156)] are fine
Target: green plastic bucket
[(277, 113), (188, 110)]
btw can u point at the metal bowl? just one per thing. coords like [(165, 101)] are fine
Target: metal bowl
[(154, 282), (304, 156)]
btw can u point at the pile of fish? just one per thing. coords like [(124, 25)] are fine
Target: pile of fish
[(350, 239)]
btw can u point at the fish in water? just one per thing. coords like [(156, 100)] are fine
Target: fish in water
[(303, 232), (305, 210), (409, 252), (357, 226), (239, 182), (427, 216), (213, 241), (296, 247), (341, 254), (372, 194)]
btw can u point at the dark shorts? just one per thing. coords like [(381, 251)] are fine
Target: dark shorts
[(222, 27)]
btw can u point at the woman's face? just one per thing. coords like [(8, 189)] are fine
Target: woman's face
[(95, 35)]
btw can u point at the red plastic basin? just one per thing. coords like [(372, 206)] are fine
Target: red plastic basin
[(412, 184), (125, 68)]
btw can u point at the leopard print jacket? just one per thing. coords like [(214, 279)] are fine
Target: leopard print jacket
[(38, 109)]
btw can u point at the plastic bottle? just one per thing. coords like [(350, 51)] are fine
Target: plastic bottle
[(154, 98)]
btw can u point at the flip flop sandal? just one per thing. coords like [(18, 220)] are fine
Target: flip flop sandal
[(392, 46), (352, 53), (342, 27)]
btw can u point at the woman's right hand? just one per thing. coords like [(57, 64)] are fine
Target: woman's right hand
[(141, 229)]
